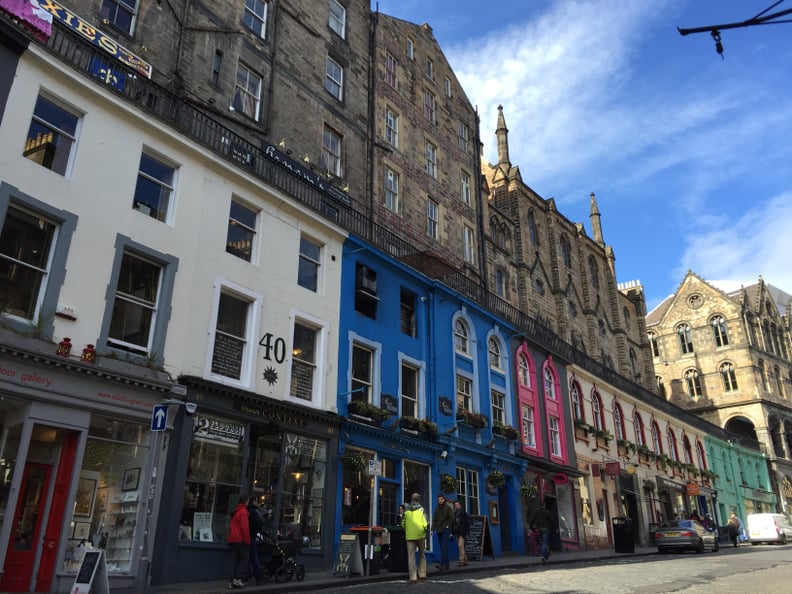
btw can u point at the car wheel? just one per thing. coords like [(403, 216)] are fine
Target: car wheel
[(716, 548), (783, 539), (700, 547)]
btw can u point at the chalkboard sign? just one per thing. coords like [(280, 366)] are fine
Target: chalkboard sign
[(348, 559), (92, 576), (478, 541), (227, 356)]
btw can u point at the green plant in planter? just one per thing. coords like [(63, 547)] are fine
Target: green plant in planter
[(353, 462), (475, 420), (448, 484), (529, 492), (506, 431), (582, 425), (626, 444), (496, 479), (644, 450), (649, 485), (410, 423), (428, 427), (369, 410), (691, 468), (603, 434)]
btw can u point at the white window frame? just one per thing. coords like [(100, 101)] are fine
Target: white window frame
[(391, 70), (464, 392), (461, 337), (60, 137), (314, 261), (554, 435), (254, 16), (430, 153), (391, 190), (334, 78), (528, 420), (410, 49), (420, 373), (248, 363), (167, 187), (464, 186), (430, 107), (318, 399), (332, 145), (469, 245), (337, 18), (447, 87), (432, 218), (244, 227), (494, 353), (124, 6), (391, 127), (246, 93), (463, 135), (376, 361), (498, 406)]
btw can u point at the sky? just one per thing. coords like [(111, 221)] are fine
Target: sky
[(689, 154)]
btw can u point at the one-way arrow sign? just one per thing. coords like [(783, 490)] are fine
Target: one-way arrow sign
[(159, 417)]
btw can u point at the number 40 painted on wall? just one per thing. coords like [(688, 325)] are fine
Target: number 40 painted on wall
[(274, 348)]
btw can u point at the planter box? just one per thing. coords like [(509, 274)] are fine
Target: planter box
[(581, 434), (602, 443)]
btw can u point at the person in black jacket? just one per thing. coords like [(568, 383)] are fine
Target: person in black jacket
[(256, 527), (461, 525)]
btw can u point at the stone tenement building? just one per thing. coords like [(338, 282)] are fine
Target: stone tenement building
[(724, 353), (544, 264)]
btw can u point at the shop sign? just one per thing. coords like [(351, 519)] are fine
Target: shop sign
[(692, 488), (96, 37), (218, 430), (202, 526)]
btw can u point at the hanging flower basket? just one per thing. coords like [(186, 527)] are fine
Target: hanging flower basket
[(448, 484), (496, 479), (354, 462), (529, 492)]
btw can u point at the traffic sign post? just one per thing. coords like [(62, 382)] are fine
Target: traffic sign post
[(159, 417)]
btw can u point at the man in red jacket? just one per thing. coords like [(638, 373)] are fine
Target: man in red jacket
[(239, 542)]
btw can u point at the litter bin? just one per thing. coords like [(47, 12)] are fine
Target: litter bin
[(623, 535), (376, 541), (397, 556)]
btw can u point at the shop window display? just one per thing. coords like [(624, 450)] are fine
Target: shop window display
[(213, 479), (108, 504)]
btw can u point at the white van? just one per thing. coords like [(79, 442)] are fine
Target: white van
[(768, 528)]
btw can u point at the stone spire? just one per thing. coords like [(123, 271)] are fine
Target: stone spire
[(503, 140), (596, 224)]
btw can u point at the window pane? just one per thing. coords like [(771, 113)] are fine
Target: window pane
[(25, 244), (135, 304), (154, 186), (308, 268), (303, 361), (51, 136), (241, 231)]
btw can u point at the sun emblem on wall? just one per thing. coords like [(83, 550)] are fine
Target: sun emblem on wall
[(271, 376)]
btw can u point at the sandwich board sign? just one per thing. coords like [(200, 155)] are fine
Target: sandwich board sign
[(92, 576)]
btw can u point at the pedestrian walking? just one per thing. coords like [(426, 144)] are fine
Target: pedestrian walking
[(256, 522), (239, 543), (734, 527), (461, 525), (442, 522), (415, 525), (545, 522)]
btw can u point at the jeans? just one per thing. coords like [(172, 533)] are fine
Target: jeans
[(545, 542), (443, 537), (412, 547), (255, 564), (240, 551)]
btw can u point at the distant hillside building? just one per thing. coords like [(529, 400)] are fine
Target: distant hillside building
[(723, 352)]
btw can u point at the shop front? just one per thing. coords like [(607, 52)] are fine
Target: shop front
[(236, 443), (556, 488), (75, 459)]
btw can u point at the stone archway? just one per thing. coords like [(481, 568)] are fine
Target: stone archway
[(742, 426)]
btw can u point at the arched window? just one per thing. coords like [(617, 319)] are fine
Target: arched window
[(779, 381), (657, 443), (596, 411), (525, 371), (533, 232), (627, 317), (763, 376), (776, 346), (494, 353), (634, 365), (768, 339), (688, 451), (594, 272), (728, 377), (461, 337), (702, 459), (718, 324), (750, 322), (693, 383), (673, 452), (566, 252), (660, 385), (501, 283), (640, 436), (549, 384), (685, 338), (577, 408), (653, 344), (618, 421)]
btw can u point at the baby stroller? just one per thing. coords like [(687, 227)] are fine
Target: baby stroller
[(278, 559)]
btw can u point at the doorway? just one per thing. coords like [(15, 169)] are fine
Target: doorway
[(38, 516), (505, 524)]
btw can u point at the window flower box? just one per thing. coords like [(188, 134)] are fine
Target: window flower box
[(506, 431), (475, 420), (368, 411)]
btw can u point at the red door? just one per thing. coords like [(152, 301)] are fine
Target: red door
[(23, 544), (60, 492)]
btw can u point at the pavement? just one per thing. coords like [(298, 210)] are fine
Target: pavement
[(320, 580)]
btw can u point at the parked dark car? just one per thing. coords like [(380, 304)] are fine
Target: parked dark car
[(685, 535)]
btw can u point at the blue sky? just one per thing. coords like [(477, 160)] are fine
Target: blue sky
[(689, 154)]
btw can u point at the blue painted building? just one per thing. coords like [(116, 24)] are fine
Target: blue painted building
[(426, 389)]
